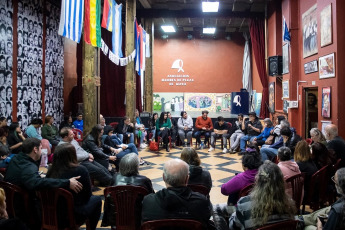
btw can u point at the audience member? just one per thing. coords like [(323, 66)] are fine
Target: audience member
[(163, 125), (140, 129), (251, 129), (185, 128), (95, 169), (15, 138), (268, 127), (79, 123), (321, 156), (125, 130), (203, 126), (317, 136), (65, 165), (236, 136), (67, 122), (221, 129), (3, 122), (102, 122), (177, 201), (152, 126), (276, 130), (267, 203), (173, 129), (197, 174), (335, 143), (49, 131)]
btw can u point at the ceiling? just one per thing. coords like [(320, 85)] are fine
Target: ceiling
[(188, 18)]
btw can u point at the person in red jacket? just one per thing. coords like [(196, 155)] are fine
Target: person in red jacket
[(203, 126)]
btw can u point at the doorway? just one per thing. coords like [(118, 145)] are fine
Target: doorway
[(311, 109)]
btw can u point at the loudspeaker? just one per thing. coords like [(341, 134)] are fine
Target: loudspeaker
[(275, 65)]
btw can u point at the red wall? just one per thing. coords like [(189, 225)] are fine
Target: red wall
[(214, 65)]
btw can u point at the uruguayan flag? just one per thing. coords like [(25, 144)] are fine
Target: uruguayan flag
[(71, 19), (117, 30), (286, 34)]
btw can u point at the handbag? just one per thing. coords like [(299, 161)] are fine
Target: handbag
[(153, 146), (269, 140)]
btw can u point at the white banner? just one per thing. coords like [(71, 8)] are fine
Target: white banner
[(115, 58)]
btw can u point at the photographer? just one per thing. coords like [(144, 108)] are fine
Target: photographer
[(185, 128)]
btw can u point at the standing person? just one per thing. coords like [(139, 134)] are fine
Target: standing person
[(252, 128), (140, 129), (65, 165), (173, 129), (49, 131), (185, 128), (335, 143), (79, 123), (220, 130), (15, 138), (125, 130), (203, 126), (152, 126), (163, 125), (236, 136)]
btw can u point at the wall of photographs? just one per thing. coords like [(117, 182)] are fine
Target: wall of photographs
[(54, 66), (6, 49)]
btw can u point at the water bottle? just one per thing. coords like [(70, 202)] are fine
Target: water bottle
[(44, 158)]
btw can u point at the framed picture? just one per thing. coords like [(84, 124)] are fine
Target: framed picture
[(326, 102), (286, 89), (310, 67), (309, 23), (271, 93), (327, 66), (326, 26), (286, 58), (323, 126), (285, 106)]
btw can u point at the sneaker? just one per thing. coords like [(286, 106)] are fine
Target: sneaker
[(211, 149), (225, 150), (143, 146), (142, 162)]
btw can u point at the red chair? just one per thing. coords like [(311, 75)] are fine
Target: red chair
[(246, 190), (172, 224), (78, 135), (283, 225), (296, 182), (126, 199), (159, 140), (114, 125), (199, 188), (332, 195)]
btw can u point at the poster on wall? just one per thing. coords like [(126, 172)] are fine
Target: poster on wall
[(256, 103), (168, 102), (6, 49), (271, 92), (285, 106), (326, 26), (200, 101), (327, 66), (326, 102), (323, 126), (223, 102), (286, 58), (309, 24), (286, 89), (310, 67)]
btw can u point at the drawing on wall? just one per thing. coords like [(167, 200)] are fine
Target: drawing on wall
[(326, 102), (223, 102), (309, 23), (200, 101), (326, 26), (327, 66), (257, 103), (168, 102), (286, 58), (271, 91)]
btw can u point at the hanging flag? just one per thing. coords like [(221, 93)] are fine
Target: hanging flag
[(117, 29), (107, 20), (71, 19), (286, 34), (143, 50), (148, 53), (92, 25), (137, 45)]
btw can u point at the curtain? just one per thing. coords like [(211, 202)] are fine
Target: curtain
[(247, 81), (257, 35)]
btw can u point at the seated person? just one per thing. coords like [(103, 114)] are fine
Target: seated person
[(3, 122), (177, 201), (125, 130), (336, 143), (203, 126), (268, 126), (173, 129), (220, 130), (317, 136), (5, 154), (152, 126), (67, 122), (236, 136), (185, 128), (163, 125), (79, 123), (260, 207), (65, 165), (15, 138), (197, 174), (251, 129), (140, 129), (49, 131), (321, 156)]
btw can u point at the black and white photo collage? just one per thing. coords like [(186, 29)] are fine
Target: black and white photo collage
[(6, 61), (54, 66), (30, 56)]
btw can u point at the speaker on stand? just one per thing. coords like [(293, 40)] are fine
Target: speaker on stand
[(275, 65)]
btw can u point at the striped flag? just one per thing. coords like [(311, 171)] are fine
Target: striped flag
[(286, 34), (137, 45), (107, 20), (117, 29), (71, 19), (92, 24)]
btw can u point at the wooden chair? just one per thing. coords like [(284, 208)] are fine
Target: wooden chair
[(283, 225), (126, 199), (159, 140), (78, 135), (297, 185), (202, 136), (246, 190), (200, 189), (51, 199), (172, 224)]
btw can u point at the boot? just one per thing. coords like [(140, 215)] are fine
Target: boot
[(167, 148)]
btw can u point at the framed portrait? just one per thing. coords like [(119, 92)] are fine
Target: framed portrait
[(326, 26), (326, 102), (327, 66), (286, 89), (271, 94), (286, 58), (323, 126), (310, 67), (285, 106), (309, 23)]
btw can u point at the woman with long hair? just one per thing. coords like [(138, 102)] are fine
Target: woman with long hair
[(267, 202), (163, 125), (317, 136), (49, 131), (320, 155), (65, 166), (152, 126), (15, 138)]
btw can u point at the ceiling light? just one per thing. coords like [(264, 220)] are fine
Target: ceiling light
[(210, 6), (210, 30), (168, 29)]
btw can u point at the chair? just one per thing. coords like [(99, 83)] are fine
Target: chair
[(50, 201), (297, 185), (318, 182), (202, 136), (332, 194), (114, 125), (246, 190), (172, 224), (126, 199), (200, 189), (78, 135), (283, 225), (159, 140)]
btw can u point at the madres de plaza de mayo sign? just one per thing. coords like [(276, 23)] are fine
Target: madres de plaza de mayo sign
[(178, 78)]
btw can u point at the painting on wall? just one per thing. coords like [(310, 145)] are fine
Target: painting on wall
[(326, 26), (223, 102), (200, 101), (285, 106), (168, 102), (326, 102), (327, 66), (286, 58), (309, 23), (310, 67), (271, 94), (256, 103)]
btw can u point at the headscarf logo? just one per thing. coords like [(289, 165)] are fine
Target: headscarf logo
[(178, 64), (237, 100)]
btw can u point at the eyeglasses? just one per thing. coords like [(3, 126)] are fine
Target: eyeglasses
[(334, 180)]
